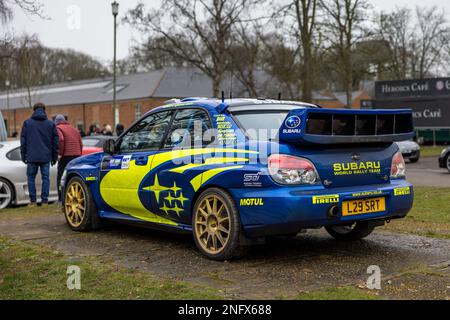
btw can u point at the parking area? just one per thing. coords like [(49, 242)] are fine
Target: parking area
[(413, 254), (412, 267)]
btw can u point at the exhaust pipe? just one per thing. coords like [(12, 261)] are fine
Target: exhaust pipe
[(333, 212)]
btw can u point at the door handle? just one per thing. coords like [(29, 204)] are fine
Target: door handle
[(141, 161)]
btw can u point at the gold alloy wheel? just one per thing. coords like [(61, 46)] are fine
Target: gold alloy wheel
[(212, 224), (75, 207)]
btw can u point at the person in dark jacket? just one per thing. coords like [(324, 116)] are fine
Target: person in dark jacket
[(39, 149), (119, 129), (70, 146)]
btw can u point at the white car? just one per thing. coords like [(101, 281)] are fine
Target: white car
[(410, 150), (13, 177)]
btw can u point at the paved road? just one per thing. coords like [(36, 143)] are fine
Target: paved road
[(412, 267), (426, 173)]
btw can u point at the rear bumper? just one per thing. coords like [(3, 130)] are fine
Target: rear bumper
[(284, 210)]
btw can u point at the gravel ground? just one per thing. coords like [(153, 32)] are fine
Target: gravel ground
[(412, 267)]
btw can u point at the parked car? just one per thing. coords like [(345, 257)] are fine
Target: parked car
[(199, 166), (444, 159), (13, 177), (410, 150), (92, 144)]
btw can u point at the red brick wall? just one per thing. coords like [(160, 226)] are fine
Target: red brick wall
[(86, 114)]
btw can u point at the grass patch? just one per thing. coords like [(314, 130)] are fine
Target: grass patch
[(32, 272), (430, 215), (339, 293), (27, 212), (430, 151)]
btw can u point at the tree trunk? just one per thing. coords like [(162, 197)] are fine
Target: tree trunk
[(216, 83), (307, 81), (349, 77)]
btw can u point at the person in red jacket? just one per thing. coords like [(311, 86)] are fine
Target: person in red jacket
[(70, 146)]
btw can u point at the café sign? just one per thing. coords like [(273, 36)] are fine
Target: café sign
[(412, 88)]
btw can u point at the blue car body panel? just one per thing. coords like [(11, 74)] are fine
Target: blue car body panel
[(159, 187)]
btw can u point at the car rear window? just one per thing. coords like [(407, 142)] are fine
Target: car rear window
[(260, 125), (14, 155)]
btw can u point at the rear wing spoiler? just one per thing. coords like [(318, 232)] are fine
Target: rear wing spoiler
[(339, 126)]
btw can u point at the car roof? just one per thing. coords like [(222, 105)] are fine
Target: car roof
[(233, 104)]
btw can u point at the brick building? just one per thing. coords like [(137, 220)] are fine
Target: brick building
[(89, 102)]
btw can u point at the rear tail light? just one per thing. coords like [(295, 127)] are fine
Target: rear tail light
[(398, 167), (292, 170)]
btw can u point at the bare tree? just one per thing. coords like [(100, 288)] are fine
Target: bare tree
[(28, 63), (396, 30), (32, 7), (148, 56), (427, 44), (197, 32), (282, 62), (29, 67), (416, 41), (245, 57), (343, 22), (301, 17)]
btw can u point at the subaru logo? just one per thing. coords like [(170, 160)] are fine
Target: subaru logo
[(292, 122), (356, 157)]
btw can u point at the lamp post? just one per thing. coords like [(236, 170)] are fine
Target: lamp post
[(7, 84), (115, 12)]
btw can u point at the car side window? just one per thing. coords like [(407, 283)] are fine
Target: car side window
[(147, 134), (188, 128), (14, 155)]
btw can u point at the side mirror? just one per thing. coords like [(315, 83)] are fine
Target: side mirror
[(109, 146)]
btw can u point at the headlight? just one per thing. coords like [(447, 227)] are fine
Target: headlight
[(398, 167), (443, 151), (292, 170)]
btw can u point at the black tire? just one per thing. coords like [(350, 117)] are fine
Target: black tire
[(416, 158), (232, 249), (8, 188), (447, 162), (356, 231), (90, 219)]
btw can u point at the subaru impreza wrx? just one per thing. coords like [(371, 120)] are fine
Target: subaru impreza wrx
[(233, 172)]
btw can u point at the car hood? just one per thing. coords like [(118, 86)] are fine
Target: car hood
[(88, 160)]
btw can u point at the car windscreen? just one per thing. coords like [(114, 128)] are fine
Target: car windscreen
[(260, 125)]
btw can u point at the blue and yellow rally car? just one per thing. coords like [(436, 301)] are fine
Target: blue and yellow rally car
[(233, 172)]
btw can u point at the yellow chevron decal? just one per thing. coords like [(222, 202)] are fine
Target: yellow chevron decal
[(164, 157), (202, 178), (118, 189), (208, 162)]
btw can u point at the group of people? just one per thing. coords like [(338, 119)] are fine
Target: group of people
[(45, 143), (94, 129)]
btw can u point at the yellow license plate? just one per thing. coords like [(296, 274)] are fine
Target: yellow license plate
[(354, 207)]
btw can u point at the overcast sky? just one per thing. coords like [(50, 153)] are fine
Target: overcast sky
[(90, 31)]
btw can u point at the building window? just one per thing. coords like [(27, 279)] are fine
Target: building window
[(137, 111)]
